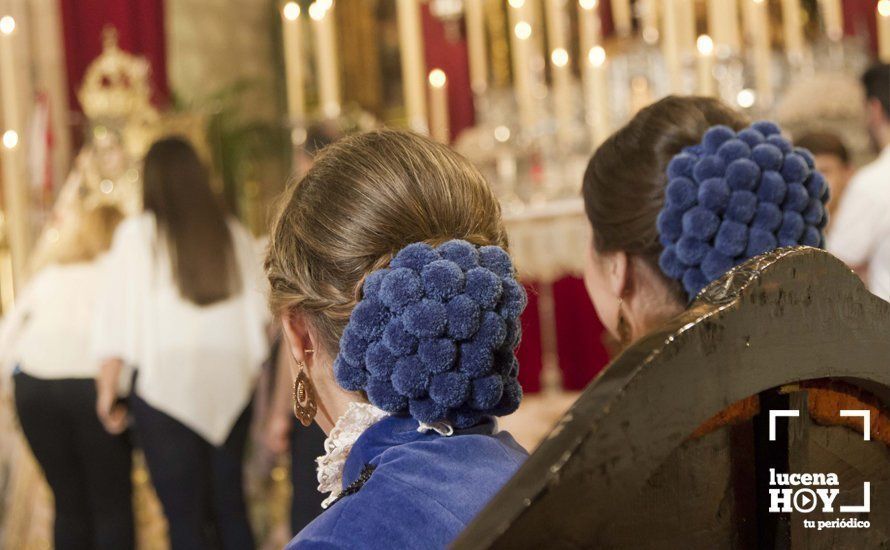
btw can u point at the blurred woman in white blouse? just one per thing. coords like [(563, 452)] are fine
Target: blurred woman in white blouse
[(183, 316), (45, 341)]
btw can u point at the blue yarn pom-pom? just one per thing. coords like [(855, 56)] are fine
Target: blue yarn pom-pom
[(681, 193), (492, 331), (397, 339), (693, 281), (796, 198), (795, 169), (811, 236), (742, 175), (772, 187), (670, 263), (709, 167), (716, 136), (353, 346), (371, 286), (425, 319), (807, 156), (731, 239), (409, 377), (766, 128), (426, 410), (463, 317), (514, 334), (713, 194), (670, 223), (371, 317), (379, 361), (792, 228), (767, 218), (486, 392), (383, 395), (462, 253), (400, 287), (701, 223), (733, 149), (437, 354), (414, 257), (510, 399), (715, 264), (450, 389), (780, 143), (752, 137), (349, 377), (814, 212), (484, 287), (513, 300), (767, 156), (681, 166), (476, 359), (496, 259), (816, 186), (742, 206), (442, 279), (760, 241), (690, 250)]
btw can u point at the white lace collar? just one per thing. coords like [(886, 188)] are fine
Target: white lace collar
[(357, 418)]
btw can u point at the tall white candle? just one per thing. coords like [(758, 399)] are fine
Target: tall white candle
[(560, 69), (832, 18), (413, 64), (596, 94), (15, 184), (792, 26), (687, 24), (321, 13), (759, 34), (589, 26), (649, 20), (621, 16), (884, 31), (475, 21), (705, 65), (438, 91), (293, 61), (670, 44), (520, 49), (723, 26)]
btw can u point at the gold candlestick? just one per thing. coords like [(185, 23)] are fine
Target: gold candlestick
[(588, 24), (520, 47), (292, 36), (832, 18), (413, 64), (793, 30), (438, 92), (596, 95), (621, 17), (705, 64), (475, 21)]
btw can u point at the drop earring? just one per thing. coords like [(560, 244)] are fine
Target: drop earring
[(623, 326), (305, 406)]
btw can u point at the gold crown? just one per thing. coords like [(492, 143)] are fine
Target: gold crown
[(116, 84)]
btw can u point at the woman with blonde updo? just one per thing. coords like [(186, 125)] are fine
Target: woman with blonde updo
[(400, 307)]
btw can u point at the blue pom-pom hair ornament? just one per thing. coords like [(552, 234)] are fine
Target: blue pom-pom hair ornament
[(734, 196), (434, 335)]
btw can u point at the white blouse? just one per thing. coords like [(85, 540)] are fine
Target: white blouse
[(197, 364), (47, 334)]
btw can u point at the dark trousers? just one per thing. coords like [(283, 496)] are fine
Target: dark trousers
[(306, 444), (200, 486), (87, 468)]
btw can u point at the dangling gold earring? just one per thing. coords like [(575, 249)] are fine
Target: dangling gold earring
[(304, 395), (623, 326)]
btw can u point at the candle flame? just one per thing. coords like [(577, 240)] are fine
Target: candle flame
[(502, 134), (884, 8), (437, 78), (587, 4), (523, 30), (7, 24), (291, 11), (10, 139), (746, 98), (559, 57), (317, 11), (597, 56), (517, 4), (705, 45)]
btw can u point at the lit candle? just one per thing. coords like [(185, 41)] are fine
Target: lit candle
[(560, 69), (595, 95), (621, 17), (321, 13), (413, 64), (588, 24), (723, 26), (705, 64), (832, 18), (670, 44), (649, 20), (438, 91), (475, 21), (758, 31), (793, 30), (293, 61), (520, 49), (14, 180), (884, 31)]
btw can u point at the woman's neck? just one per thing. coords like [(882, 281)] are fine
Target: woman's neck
[(332, 401)]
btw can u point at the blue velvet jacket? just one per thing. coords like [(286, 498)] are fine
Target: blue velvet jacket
[(420, 489)]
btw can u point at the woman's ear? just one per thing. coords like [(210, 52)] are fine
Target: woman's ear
[(297, 336), (618, 273)]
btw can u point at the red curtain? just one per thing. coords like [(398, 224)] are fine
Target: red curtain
[(140, 30), (448, 51), (860, 18), (530, 352), (579, 334)]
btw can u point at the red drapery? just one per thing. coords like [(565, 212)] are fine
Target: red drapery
[(140, 30)]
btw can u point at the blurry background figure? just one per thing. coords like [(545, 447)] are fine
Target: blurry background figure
[(833, 160), (185, 308), (862, 222), (283, 433), (46, 340)]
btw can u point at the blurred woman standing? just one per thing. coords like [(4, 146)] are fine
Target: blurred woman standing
[(185, 310), (46, 341)]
